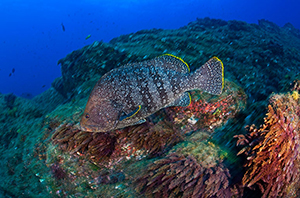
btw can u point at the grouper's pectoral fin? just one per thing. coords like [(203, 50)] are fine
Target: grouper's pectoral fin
[(129, 115), (184, 100)]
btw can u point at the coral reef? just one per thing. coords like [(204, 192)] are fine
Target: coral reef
[(43, 154), (206, 112), (272, 150)]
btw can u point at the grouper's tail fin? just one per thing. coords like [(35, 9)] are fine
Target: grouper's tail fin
[(209, 77)]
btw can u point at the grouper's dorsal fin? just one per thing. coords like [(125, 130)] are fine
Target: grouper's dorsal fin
[(174, 63)]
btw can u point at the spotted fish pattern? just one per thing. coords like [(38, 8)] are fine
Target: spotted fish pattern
[(127, 95)]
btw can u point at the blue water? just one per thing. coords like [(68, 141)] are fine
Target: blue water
[(32, 39)]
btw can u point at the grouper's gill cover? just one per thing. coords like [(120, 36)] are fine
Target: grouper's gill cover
[(127, 95)]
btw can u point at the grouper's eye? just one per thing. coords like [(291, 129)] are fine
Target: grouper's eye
[(87, 116)]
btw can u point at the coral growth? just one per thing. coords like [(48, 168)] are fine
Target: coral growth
[(208, 113), (196, 170), (272, 150)]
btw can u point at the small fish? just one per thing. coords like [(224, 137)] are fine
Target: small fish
[(89, 36), (127, 95), (63, 27), (9, 74), (13, 70)]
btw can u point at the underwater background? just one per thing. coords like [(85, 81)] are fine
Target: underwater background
[(33, 40), (242, 143)]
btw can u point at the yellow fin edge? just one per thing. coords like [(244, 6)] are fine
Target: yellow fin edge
[(222, 70), (178, 59), (190, 98), (140, 106)]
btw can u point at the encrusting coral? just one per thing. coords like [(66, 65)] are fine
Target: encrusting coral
[(206, 112), (272, 150), (195, 170)]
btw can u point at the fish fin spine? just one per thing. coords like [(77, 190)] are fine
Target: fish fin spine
[(222, 70), (187, 65)]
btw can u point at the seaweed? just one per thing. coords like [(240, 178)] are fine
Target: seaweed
[(272, 150)]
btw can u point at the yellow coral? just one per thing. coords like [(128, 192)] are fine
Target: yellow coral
[(295, 95)]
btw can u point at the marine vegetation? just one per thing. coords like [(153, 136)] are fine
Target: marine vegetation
[(106, 148), (272, 151), (44, 152), (193, 170), (153, 139), (95, 146)]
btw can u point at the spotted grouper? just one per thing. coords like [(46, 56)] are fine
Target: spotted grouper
[(127, 95)]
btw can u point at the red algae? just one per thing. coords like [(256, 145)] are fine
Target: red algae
[(272, 150)]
